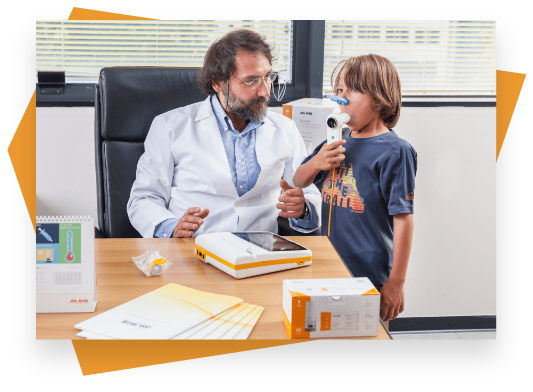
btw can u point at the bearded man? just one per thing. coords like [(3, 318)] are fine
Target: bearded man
[(224, 164)]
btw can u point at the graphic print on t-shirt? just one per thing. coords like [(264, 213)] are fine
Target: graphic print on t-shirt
[(345, 193)]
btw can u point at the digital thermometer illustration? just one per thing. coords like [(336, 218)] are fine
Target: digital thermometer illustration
[(69, 257)]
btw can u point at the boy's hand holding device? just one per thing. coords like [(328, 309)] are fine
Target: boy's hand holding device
[(329, 156)]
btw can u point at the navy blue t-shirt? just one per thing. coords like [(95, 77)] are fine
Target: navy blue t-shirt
[(375, 182)]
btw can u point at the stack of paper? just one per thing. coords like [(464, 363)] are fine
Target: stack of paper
[(175, 312)]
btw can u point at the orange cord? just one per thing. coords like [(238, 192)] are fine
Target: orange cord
[(331, 201), (333, 184)]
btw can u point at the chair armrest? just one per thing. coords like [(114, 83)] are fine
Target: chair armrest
[(285, 229), (98, 233)]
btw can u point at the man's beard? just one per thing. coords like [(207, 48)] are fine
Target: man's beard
[(245, 109)]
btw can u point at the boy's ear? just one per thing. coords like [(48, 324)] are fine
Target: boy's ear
[(377, 105)]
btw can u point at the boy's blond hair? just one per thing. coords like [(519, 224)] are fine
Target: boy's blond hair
[(375, 75)]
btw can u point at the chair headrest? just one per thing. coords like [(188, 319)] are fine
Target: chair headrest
[(131, 97)]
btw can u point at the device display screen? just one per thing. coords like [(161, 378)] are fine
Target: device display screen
[(269, 241)]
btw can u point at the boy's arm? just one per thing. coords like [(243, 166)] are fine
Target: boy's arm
[(325, 159), (305, 174), (392, 292)]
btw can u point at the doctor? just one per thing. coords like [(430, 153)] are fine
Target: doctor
[(224, 164)]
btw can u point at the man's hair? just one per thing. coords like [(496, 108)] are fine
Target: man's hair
[(375, 75), (219, 61)]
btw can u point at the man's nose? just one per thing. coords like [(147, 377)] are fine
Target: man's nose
[(264, 89)]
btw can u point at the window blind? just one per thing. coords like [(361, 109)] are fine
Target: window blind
[(432, 57), (83, 48)]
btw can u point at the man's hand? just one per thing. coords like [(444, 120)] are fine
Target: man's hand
[(391, 299), (190, 222), (294, 200), (326, 158)]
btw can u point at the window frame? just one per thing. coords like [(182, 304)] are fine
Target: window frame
[(307, 78)]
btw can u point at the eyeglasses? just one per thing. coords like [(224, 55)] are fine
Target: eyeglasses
[(256, 83)]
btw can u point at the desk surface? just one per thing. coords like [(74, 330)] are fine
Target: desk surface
[(119, 281)]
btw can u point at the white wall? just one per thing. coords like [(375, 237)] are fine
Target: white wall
[(452, 271), (66, 176)]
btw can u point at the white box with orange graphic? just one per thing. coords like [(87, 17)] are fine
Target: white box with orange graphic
[(309, 115), (330, 308)]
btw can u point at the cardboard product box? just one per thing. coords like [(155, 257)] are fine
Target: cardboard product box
[(310, 115), (330, 308)]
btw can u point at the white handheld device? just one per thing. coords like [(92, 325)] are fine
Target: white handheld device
[(310, 317), (245, 254), (335, 121)]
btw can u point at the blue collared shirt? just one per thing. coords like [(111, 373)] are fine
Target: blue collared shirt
[(240, 149), (244, 167)]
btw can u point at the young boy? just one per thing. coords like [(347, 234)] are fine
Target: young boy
[(373, 177)]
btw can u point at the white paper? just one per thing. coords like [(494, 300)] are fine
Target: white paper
[(160, 314), (91, 335), (234, 330), (196, 328), (247, 329), (220, 331), (218, 322)]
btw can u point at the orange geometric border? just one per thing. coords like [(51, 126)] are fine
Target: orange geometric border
[(508, 87), (99, 356)]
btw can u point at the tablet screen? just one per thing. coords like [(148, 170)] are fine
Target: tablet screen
[(269, 241)]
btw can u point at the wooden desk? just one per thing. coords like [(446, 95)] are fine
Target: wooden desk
[(119, 281)]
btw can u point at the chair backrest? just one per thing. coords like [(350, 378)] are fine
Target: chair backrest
[(127, 100)]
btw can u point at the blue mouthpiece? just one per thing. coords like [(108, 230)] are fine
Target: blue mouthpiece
[(339, 100)]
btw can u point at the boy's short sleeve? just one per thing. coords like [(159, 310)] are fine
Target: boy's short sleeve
[(397, 180), (321, 176)]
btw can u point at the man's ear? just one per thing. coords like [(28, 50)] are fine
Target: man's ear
[(217, 86)]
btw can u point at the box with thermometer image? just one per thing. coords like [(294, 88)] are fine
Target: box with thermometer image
[(330, 308), (309, 115)]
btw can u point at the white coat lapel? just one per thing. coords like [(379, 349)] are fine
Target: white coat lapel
[(263, 139), (266, 156), (213, 148)]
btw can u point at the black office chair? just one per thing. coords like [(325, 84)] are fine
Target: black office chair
[(127, 100)]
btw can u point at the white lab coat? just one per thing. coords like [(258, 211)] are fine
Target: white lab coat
[(185, 165)]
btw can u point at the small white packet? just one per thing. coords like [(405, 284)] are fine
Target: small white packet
[(151, 263)]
